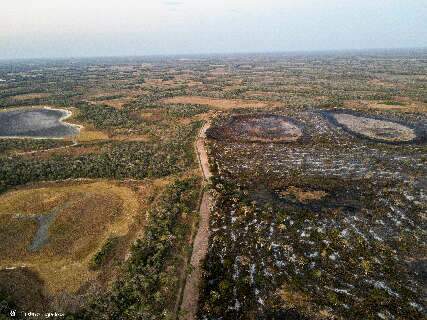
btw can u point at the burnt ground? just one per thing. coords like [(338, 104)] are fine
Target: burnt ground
[(330, 226), (257, 128)]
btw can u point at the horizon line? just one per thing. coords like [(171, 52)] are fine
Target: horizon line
[(174, 55)]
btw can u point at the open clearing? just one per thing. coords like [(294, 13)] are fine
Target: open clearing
[(258, 128), (375, 129), (83, 215), (222, 104)]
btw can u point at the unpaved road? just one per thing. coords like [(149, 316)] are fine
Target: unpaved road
[(200, 245), (202, 153)]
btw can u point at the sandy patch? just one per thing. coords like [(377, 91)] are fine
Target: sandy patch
[(375, 129)]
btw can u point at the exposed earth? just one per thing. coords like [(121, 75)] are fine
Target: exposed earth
[(258, 128), (375, 129)]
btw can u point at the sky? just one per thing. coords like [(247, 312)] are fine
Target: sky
[(82, 28)]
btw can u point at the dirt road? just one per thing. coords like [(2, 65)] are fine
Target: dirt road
[(200, 245), (202, 153)]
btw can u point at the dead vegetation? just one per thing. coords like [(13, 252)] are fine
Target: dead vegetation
[(266, 128)]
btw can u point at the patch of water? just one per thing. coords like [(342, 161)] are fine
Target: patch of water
[(44, 221), (36, 123)]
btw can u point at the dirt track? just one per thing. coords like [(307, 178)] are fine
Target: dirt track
[(200, 245), (202, 153)]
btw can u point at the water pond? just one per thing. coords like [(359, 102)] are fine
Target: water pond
[(36, 123)]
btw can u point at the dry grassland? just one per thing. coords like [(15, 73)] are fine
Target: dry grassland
[(221, 104), (89, 213), (403, 105), (30, 96), (88, 134)]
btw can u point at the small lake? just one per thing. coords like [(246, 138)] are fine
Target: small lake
[(36, 123)]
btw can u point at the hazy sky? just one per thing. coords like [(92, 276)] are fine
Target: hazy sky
[(64, 28)]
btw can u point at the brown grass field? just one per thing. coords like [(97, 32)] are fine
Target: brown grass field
[(30, 96), (221, 104), (402, 105), (89, 214)]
